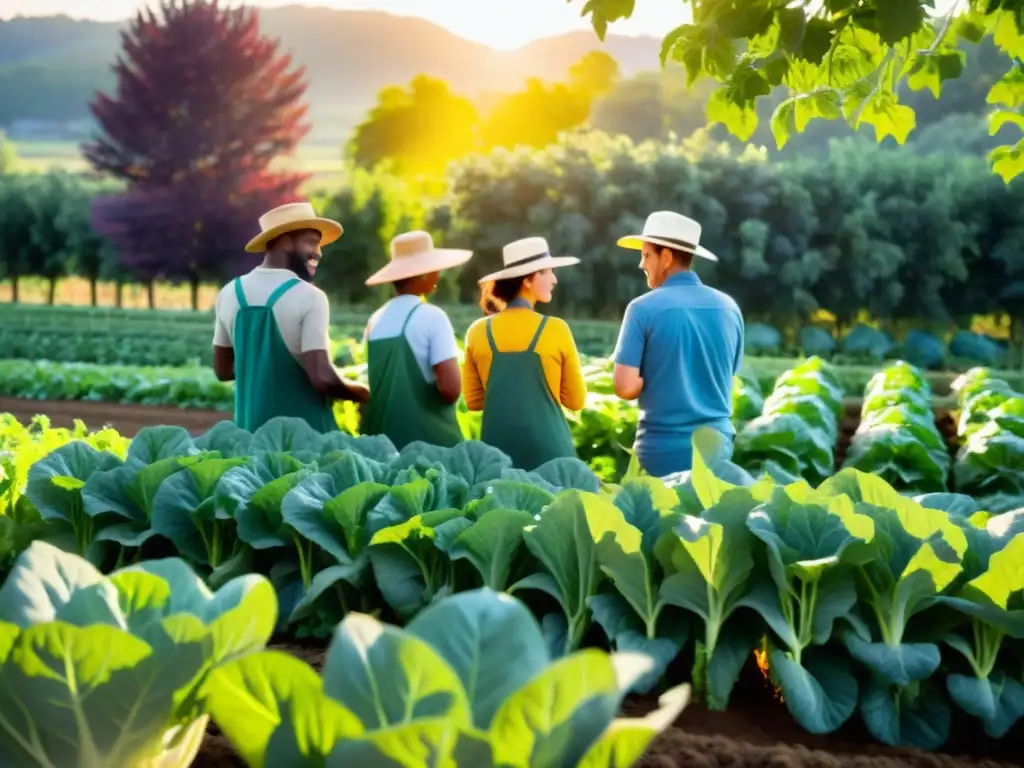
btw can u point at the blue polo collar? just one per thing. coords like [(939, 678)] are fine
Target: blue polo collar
[(683, 278)]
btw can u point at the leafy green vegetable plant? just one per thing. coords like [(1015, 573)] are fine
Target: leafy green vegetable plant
[(467, 682), (104, 671)]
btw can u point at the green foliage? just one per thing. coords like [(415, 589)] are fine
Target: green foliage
[(105, 670), (838, 60), (469, 679), (416, 130), (901, 236), (45, 229), (860, 598)]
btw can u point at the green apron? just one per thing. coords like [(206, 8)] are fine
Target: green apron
[(403, 405), (521, 417), (269, 381)]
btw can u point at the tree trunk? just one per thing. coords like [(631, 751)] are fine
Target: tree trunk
[(51, 293), (119, 294), (193, 285), (92, 291), (151, 294), (14, 289)]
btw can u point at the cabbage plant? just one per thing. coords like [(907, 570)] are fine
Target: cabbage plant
[(104, 671), (468, 682)]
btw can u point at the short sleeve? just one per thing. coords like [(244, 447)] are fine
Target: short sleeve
[(629, 349), (738, 361), (221, 336), (441, 338), (316, 323)]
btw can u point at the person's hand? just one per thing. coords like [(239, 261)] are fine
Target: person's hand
[(359, 393)]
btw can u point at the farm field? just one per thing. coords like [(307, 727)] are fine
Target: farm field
[(356, 526), (914, 472)]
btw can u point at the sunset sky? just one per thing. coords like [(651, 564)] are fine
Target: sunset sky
[(498, 23)]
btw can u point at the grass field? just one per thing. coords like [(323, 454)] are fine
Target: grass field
[(322, 160)]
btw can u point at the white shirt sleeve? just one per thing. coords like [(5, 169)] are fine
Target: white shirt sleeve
[(316, 324), (442, 344), (221, 334)]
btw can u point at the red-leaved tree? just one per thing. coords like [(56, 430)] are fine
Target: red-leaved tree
[(204, 103)]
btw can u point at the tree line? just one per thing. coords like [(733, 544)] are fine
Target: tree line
[(926, 239)]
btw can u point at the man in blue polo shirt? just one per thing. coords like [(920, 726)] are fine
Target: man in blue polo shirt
[(679, 347)]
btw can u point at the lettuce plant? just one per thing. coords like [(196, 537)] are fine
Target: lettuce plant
[(104, 671), (468, 682), (916, 554), (810, 541), (991, 603)]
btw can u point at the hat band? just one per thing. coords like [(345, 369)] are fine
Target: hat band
[(529, 259), (683, 245)]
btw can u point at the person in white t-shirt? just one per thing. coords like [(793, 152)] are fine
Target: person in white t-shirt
[(412, 354), (271, 334)]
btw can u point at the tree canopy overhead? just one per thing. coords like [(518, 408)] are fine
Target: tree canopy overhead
[(848, 59)]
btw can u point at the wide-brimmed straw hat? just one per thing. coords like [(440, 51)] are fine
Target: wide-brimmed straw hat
[(671, 230), (526, 256), (291, 218), (414, 254)]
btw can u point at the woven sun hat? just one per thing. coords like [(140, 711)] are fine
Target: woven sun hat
[(291, 218), (414, 254), (671, 230), (526, 256)]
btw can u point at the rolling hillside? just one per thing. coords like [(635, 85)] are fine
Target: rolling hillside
[(50, 66)]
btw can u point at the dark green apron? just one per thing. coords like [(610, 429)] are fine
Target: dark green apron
[(269, 381), (403, 405), (521, 417)]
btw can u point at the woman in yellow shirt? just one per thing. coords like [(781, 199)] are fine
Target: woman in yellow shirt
[(522, 367)]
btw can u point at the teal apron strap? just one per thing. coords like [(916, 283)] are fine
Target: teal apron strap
[(490, 337), (280, 291), (536, 336), (239, 293), (409, 317)]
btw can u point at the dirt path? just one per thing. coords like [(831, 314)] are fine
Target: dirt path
[(126, 419)]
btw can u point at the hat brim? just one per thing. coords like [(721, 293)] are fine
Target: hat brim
[(435, 260), (520, 270), (636, 243), (329, 230)]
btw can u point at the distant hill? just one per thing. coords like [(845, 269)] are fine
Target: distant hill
[(50, 66)]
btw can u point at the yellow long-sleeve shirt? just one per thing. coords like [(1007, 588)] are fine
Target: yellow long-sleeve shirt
[(513, 329)]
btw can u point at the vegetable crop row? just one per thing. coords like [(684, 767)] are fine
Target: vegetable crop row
[(795, 435), (842, 587), (147, 656), (897, 438), (990, 462), (603, 432)]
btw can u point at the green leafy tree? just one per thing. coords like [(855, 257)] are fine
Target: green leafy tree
[(417, 129), (538, 114), (48, 251), (15, 231), (840, 59), (95, 259)]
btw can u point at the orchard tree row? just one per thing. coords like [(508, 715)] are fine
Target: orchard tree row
[(926, 239)]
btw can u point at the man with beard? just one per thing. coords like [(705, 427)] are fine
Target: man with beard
[(271, 335), (679, 347)]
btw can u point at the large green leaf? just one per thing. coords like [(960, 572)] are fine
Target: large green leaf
[(91, 695), (386, 676), (491, 641), (557, 716), (273, 709)]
